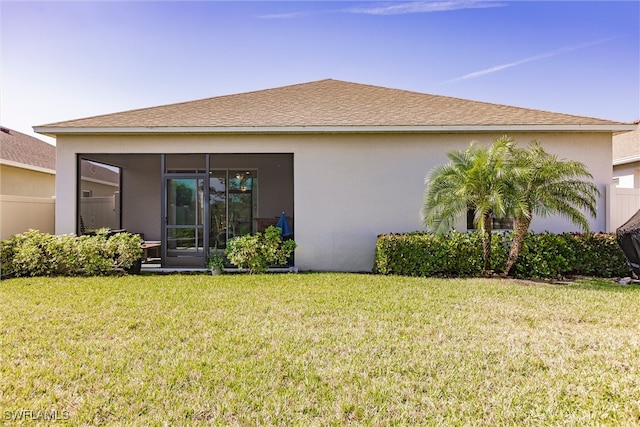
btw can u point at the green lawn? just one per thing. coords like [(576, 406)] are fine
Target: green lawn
[(318, 349)]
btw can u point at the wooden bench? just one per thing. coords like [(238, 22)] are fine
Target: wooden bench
[(150, 246)]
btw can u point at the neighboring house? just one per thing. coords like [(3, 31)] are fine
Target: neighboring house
[(344, 161), (623, 197), (626, 158), (27, 183)]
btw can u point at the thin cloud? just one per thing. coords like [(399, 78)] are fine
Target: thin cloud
[(285, 15), (403, 8), (424, 7), (529, 59)]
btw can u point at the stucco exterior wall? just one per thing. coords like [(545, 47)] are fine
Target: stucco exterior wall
[(348, 188), (24, 182)]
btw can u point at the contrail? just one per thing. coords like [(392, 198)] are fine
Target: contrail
[(529, 59)]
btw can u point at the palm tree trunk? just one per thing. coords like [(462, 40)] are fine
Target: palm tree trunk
[(520, 229), (486, 242)]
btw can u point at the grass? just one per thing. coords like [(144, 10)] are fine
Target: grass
[(318, 349)]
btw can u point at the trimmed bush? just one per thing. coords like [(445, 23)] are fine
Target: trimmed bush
[(39, 254), (457, 254), (425, 254), (559, 255)]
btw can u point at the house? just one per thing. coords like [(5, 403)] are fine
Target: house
[(345, 162), (623, 196), (27, 187), (27, 183), (626, 158)]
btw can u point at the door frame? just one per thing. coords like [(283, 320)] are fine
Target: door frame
[(196, 259)]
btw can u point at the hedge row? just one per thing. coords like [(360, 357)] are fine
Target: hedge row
[(457, 254), (39, 254)]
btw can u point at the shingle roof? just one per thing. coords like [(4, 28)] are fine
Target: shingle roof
[(91, 170), (326, 103), (626, 146), (24, 149)]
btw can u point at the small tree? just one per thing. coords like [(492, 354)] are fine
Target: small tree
[(543, 185), (506, 181), (476, 179)]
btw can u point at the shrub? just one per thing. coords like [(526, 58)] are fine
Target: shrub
[(94, 254), (6, 257), (543, 255), (124, 249), (39, 254), (425, 254), (33, 254), (559, 255), (256, 252)]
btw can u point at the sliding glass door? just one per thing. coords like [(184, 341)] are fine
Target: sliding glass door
[(232, 204)]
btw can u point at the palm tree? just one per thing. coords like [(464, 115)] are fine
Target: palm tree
[(541, 184), (476, 179)]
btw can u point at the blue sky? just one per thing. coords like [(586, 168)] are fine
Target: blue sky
[(66, 60)]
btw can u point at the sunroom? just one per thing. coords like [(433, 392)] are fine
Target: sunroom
[(186, 205)]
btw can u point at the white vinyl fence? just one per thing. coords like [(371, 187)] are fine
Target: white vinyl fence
[(99, 212), (21, 213), (622, 203)]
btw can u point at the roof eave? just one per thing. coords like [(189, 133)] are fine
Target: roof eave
[(54, 130), (20, 165), (626, 160)]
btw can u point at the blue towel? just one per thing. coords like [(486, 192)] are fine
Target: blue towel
[(284, 226)]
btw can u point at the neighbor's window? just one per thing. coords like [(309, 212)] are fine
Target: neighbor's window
[(496, 223)]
